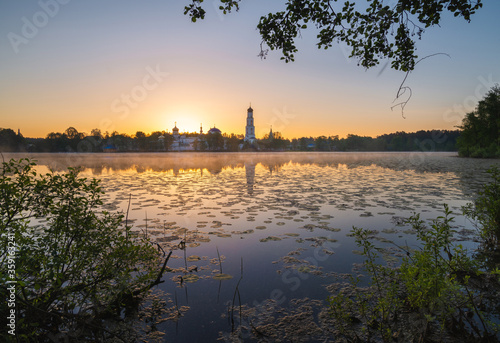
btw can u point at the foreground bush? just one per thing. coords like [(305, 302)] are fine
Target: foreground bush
[(485, 211), (438, 293), (68, 269)]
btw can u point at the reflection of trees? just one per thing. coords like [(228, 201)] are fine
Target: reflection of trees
[(216, 162), (274, 167)]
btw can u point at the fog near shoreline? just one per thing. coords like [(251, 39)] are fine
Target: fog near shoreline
[(141, 162)]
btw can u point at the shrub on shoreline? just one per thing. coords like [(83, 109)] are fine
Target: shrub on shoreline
[(73, 266)]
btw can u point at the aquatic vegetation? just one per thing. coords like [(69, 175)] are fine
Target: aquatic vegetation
[(434, 295), (223, 235), (222, 276), (245, 232), (270, 322), (193, 258), (486, 211), (190, 278), (309, 227), (270, 238)]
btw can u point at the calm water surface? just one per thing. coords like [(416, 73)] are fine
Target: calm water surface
[(280, 221)]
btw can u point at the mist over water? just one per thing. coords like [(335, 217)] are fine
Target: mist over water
[(279, 221)]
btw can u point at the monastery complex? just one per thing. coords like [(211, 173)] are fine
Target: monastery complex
[(186, 143)]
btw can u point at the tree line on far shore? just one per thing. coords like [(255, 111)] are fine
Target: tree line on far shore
[(73, 141)]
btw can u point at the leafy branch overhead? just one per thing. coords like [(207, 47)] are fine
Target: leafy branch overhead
[(374, 30)]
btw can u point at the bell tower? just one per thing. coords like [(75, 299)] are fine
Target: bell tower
[(250, 128)]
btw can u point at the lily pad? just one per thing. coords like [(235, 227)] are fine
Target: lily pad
[(167, 238), (303, 269), (190, 278), (222, 277), (270, 238)]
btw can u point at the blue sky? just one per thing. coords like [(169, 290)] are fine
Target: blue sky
[(130, 66)]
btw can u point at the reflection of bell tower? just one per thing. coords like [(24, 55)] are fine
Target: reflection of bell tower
[(250, 174), (250, 128)]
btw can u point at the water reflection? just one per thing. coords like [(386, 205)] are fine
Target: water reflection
[(470, 172), (250, 175), (216, 162)]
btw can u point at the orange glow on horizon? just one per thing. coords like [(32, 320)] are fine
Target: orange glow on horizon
[(292, 122)]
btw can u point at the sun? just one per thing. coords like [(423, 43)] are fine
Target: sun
[(186, 123)]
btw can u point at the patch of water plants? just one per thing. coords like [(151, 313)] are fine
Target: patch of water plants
[(439, 292)]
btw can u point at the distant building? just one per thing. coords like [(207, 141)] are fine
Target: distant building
[(161, 142), (175, 132), (181, 142), (184, 143), (250, 128), (214, 130), (110, 148)]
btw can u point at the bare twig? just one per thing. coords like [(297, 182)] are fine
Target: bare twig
[(402, 89)]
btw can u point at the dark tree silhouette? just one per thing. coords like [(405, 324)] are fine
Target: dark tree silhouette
[(481, 128), (10, 141)]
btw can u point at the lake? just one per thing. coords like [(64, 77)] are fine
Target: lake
[(277, 223)]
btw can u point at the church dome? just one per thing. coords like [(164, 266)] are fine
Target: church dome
[(214, 130)]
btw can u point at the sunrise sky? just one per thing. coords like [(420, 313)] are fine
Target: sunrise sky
[(132, 66)]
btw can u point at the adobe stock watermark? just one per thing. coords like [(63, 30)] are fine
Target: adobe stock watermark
[(454, 115), (279, 121), (137, 94), (216, 5), (126, 102), (292, 281), (31, 26), (11, 283)]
